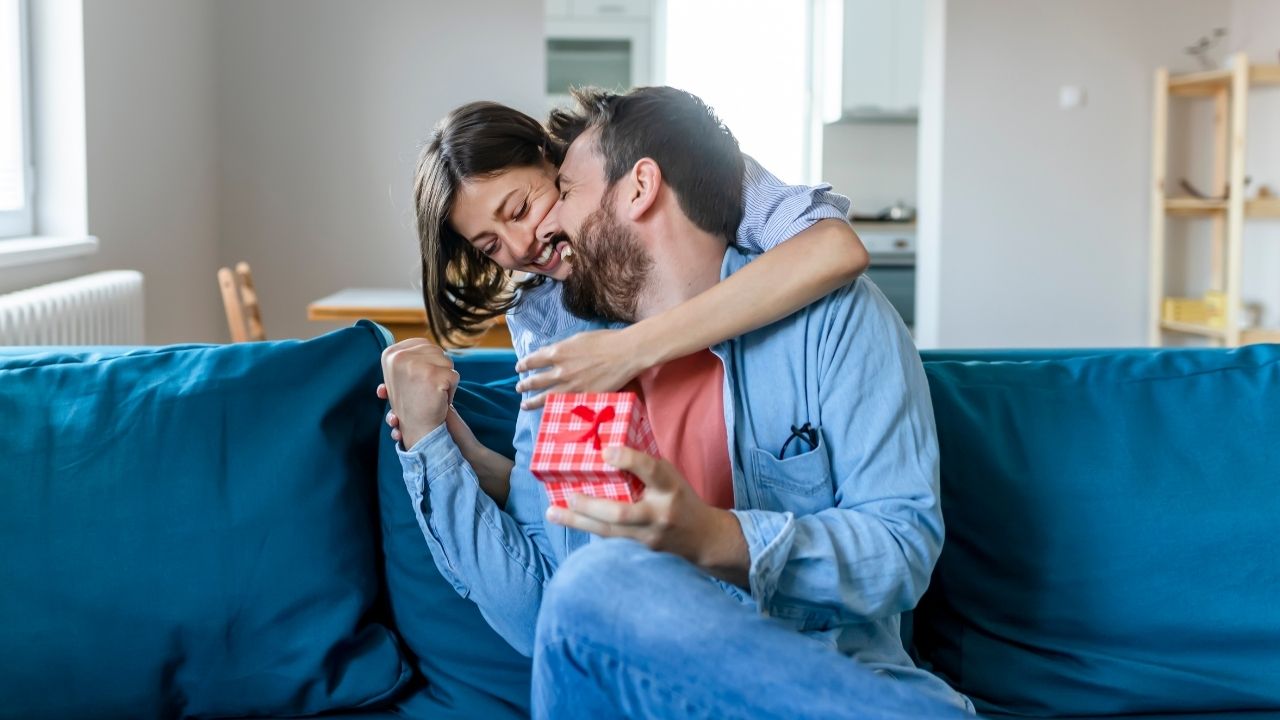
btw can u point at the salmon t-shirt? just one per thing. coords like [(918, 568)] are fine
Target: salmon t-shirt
[(684, 400)]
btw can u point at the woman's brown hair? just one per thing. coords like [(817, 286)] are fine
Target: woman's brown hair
[(461, 287)]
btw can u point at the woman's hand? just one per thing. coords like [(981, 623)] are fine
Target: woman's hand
[(597, 361), (492, 469), (458, 428)]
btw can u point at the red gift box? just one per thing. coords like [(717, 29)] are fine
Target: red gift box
[(575, 427)]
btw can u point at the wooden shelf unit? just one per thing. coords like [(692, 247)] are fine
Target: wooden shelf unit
[(1229, 91)]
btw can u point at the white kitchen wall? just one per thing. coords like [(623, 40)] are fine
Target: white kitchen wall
[(1037, 232), (322, 106), (873, 164)]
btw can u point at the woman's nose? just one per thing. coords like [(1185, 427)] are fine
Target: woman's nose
[(522, 243), (550, 225)]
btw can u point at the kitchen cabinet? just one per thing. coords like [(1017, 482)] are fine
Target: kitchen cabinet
[(883, 55), (599, 9)]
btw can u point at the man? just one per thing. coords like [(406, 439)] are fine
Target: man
[(800, 516)]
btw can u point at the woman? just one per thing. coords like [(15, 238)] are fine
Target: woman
[(484, 183)]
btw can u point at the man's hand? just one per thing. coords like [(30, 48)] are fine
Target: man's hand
[(420, 381), (670, 517)]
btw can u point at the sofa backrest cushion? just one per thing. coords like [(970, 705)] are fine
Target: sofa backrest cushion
[(1111, 528), (192, 531)]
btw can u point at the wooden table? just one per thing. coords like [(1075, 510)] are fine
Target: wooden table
[(398, 310)]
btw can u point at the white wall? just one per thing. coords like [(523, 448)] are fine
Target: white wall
[(283, 133), (1037, 234), (874, 164), (322, 106), (152, 157)]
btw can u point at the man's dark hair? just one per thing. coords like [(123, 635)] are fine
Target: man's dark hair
[(699, 157)]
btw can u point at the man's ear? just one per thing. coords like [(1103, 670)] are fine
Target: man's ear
[(645, 185)]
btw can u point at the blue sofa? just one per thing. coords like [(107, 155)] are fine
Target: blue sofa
[(223, 531)]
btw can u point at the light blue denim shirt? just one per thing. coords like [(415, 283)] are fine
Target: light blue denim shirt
[(843, 535)]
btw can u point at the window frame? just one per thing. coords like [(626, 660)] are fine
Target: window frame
[(21, 222)]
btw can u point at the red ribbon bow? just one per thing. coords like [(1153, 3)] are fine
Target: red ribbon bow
[(593, 430)]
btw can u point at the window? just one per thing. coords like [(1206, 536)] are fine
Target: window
[(750, 61), (15, 132)]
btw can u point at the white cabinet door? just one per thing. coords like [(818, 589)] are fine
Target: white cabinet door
[(908, 53), (883, 48), (612, 8), (868, 54)]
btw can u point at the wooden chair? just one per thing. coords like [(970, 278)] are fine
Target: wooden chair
[(240, 300)]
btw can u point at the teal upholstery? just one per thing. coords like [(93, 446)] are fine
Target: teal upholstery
[(184, 515), (192, 531), (1111, 519)]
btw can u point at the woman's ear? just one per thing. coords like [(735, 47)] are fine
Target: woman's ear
[(646, 184)]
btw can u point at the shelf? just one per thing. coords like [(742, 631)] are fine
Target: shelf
[(1193, 206), (1211, 81), (1265, 208), (1193, 329), (1260, 335), (1247, 337), (1269, 208)]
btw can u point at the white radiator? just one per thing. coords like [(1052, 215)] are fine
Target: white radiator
[(104, 308)]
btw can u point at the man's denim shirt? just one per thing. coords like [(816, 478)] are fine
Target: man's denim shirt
[(843, 534)]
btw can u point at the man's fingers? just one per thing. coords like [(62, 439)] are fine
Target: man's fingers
[(641, 464), (392, 420), (578, 521), (610, 511), (382, 391)]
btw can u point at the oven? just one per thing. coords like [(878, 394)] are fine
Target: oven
[(893, 265)]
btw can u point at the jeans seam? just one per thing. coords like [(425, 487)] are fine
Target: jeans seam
[(669, 690)]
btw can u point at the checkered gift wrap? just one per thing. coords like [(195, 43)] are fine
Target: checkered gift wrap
[(575, 427)]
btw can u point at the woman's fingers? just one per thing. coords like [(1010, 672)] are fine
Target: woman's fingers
[(537, 360), (534, 402), (541, 381)]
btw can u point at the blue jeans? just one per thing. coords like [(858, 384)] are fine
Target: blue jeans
[(628, 632)]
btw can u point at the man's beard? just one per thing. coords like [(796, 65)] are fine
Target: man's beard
[(610, 270)]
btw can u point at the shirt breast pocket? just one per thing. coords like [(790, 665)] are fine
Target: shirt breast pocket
[(801, 483)]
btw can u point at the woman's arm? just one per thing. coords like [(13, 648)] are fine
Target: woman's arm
[(492, 469), (806, 268)]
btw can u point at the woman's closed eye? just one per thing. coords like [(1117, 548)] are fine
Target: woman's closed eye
[(524, 210)]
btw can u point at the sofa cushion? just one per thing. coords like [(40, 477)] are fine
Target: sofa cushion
[(191, 531), (473, 672), (1111, 524)]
